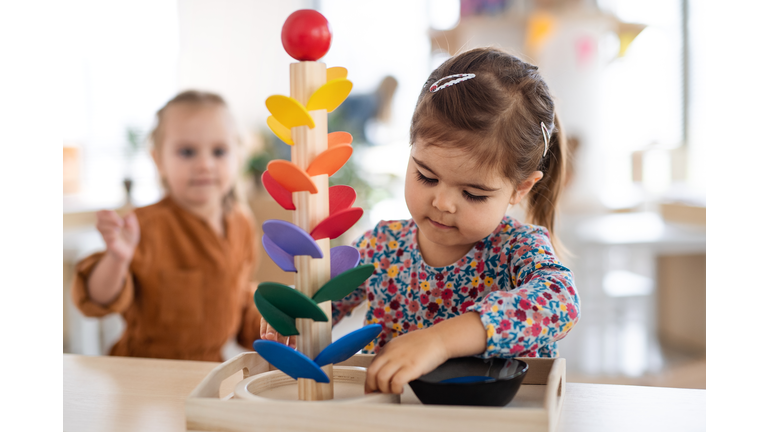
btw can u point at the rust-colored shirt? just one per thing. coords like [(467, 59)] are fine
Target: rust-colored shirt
[(188, 290)]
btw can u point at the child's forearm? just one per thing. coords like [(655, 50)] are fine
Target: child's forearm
[(463, 335), (107, 279)]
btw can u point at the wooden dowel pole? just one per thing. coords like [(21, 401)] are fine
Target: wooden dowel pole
[(311, 209)]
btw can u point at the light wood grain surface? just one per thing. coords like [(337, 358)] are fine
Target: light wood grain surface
[(311, 209), (131, 394)]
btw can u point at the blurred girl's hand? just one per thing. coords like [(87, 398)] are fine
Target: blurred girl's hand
[(268, 333), (120, 234)]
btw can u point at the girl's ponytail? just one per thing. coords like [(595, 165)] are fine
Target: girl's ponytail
[(543, 198)]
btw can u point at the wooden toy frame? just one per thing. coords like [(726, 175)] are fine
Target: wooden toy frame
[(536, 407)]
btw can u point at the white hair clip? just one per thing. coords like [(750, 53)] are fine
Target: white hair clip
[(459, 78), (545, 132)]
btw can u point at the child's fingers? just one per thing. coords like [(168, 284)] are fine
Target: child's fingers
[(385, 374), (107, 222), (102, 214), (108, 216), (371, 376), (109, 237), (107, 225), (400, 379), (263, 328), (108, 233), (269, 333), (367, 387), (131, 226), (282, 339)]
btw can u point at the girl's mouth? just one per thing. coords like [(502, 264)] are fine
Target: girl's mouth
[(202, 182), (439, 225)]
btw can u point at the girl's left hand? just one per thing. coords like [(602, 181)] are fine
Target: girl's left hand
[(404, 359), (268, 333)]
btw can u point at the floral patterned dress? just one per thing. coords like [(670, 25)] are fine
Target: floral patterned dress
[(526, 299)]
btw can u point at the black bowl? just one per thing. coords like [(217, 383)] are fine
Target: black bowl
[(471, 381)]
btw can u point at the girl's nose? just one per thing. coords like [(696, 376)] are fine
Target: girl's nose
[(442, 201), (205, 162)]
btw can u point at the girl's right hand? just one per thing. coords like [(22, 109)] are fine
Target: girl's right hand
[(120, 234), (268, 333)]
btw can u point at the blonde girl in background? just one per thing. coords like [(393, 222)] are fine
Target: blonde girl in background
[(179, 270), (461, 278)]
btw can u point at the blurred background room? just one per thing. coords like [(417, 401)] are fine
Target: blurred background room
[(626, 74)]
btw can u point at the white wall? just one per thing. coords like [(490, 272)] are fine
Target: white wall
[(234, 48), (118, 69)]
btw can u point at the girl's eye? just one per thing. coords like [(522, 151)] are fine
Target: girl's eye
[(474, 198), (186, 152), (424, 179), (219, 152)]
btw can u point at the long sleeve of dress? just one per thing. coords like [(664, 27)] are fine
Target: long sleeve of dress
[(82, 299), (541, 305)]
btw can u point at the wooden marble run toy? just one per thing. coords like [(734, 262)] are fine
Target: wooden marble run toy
[(320, 213)]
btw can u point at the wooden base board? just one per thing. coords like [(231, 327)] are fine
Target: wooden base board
[(536, 407)]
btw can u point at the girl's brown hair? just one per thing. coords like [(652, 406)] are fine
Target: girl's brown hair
[(193, 98), (497, 118)]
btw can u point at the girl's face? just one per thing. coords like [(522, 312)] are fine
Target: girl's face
[(197, 156), (454, 202)]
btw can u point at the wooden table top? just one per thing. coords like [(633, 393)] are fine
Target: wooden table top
[(132, 394)]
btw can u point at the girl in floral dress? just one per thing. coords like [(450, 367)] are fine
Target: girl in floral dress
[(460, 278)]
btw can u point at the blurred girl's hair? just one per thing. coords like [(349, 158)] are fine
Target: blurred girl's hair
[(497, 118), (196, 99)]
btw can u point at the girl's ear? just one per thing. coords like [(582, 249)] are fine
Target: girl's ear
[(525, 187)]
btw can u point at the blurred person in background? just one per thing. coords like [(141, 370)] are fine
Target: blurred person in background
[(179, 270)]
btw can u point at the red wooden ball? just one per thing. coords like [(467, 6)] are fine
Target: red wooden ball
[(306, 35)]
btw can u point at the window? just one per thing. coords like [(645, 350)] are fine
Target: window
[(119, 69)]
